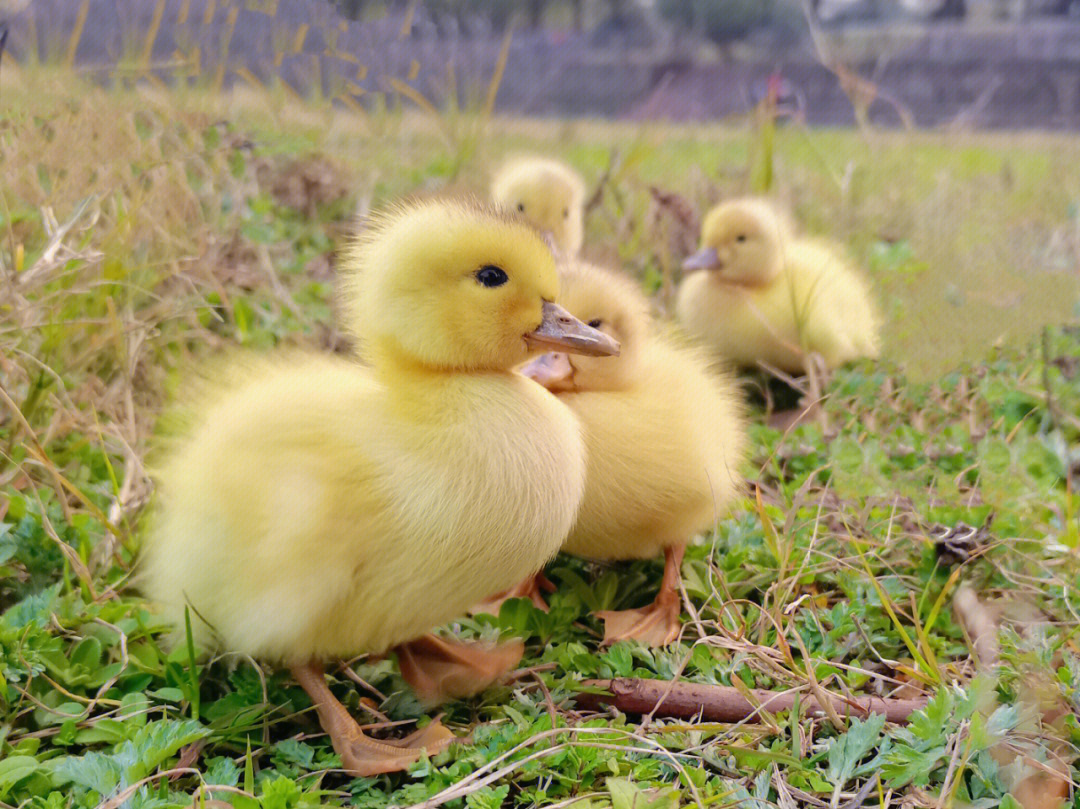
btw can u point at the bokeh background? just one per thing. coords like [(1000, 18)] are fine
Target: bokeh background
[(932, 137)]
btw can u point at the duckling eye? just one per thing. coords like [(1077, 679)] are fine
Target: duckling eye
[(595, 323), (741, 237), (565, 213), (521, 207), (491, 276)]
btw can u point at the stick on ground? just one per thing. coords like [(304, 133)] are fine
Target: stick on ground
[(721, 703)]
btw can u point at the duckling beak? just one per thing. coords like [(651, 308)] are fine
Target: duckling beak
[(704, 259), (560, 329), (550, 370)]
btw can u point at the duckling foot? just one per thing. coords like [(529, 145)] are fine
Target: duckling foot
[(532, 588), (440, 669), (360, 754), (657, 624)]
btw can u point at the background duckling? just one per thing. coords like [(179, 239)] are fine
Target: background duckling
[(756, 293), (549, 194), (319, 509), (665, 440)]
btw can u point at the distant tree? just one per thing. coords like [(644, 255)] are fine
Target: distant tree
[(535, 12), (727, 21), (498, 13), (578, 14), (952, 8), (350, 9)]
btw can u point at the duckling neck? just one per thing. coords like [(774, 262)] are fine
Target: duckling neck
[(399, 370)]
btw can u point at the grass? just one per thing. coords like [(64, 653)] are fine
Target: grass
[(144, 230)]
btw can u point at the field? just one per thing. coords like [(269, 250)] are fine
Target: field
[(143, 230)]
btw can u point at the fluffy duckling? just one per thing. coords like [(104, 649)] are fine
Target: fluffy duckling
[(665, 440), (756, 293), (549, 194), (319, 509)]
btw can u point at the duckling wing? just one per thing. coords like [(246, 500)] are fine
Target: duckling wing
[(270, 510), (834, 312)]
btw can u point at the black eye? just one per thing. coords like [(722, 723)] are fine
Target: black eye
[(596, 323), (491, 276), (741, 237), (565, 213), (521, 207)]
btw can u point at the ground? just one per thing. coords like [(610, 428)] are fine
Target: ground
[(144, 230)]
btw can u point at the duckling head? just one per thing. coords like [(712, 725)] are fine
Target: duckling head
[(548, 194), (611, 303), (457, 286), (742, 241)]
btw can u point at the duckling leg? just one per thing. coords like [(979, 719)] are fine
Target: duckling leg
[(531, 588), (657, 624), (361, 755), (440, 669)]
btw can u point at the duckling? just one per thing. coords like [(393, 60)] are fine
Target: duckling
[(318, 508), (665, 440), (549, 194), (767, 296)]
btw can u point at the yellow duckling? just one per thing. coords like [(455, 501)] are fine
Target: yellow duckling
[(665, 440), (767, 296), (549, 194), (320, 509)]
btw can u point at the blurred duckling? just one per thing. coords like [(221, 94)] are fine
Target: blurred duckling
[(665, 440), (755, 293), (319, 509), (549, 194)]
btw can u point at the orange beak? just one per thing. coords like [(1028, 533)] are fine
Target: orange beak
[(560, 329)]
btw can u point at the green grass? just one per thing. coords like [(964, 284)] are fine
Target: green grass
[(181, 234)]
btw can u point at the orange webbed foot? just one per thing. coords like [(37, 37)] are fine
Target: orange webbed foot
[(360, 754), (531, 588), (657, 624), (439, 669)]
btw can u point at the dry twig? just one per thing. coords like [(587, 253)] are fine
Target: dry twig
[(719, 703)]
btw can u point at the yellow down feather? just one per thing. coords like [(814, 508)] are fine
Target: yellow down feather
[(765, 295), (549, 194), (317, 508)]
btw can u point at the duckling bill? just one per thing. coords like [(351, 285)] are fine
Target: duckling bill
[(318, 509), (560, 329)]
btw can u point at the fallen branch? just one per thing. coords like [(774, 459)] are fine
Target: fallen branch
[(981, 624), (721, 703)]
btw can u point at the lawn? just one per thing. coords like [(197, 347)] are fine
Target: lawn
[(144, 230)]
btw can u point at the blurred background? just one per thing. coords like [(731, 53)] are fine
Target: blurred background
[(986, 63), (205, 147)]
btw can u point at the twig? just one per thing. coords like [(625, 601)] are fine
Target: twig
[(981, 626), (720, 703)]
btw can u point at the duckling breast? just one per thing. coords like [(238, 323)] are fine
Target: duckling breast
[(315, 516), (742, 324), (486, 478)]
